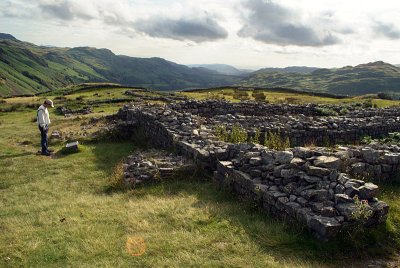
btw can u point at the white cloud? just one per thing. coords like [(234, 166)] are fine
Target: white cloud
[(299, 32)]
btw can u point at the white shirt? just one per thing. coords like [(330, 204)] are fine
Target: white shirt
[(43, 118)]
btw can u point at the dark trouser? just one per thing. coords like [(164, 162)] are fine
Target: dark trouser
[(43, 141)]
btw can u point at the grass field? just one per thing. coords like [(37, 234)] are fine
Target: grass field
[(61, 212), (284, 97)]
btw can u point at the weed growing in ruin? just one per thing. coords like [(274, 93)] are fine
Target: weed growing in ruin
[(326, 111), (236, 135), (392, 138), (256, 137), (362, 212), (343, 111), (275, 141), (221, 133)]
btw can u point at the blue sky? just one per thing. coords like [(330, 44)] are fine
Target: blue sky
[(243, 33)]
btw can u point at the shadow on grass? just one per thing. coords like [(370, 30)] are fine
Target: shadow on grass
[(108, 154), (286, 241), (15, 155)]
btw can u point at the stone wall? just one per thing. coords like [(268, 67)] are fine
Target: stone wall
[(303, 124), (309, 186), (300, 185)]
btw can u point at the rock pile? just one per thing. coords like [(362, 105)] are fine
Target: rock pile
[(142, 167)]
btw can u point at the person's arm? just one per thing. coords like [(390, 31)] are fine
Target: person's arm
[(41, 121)]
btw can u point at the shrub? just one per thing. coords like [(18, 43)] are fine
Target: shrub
[(343, 111), (256, 137), (367, 104), (324, 111), (384, 96), (221, 133), (236, 135), (241, 95), (259, 96), (275, 141)]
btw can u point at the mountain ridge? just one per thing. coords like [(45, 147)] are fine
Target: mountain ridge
[(367, 78), (223, 69), (26, 68)]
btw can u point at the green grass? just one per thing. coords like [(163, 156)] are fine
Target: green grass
[(277, 97), (61, 212)]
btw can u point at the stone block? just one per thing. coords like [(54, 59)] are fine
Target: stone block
[(283, 157), (291, 208), (346, 210), (343, 198), (72, 147), (368, 191), (324, 228), (370, 155), (318, 171), (329, 162), (255, 161)]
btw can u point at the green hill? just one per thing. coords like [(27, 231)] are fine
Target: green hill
[(26, 68), (362, 79)]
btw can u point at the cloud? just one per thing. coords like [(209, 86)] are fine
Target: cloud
[(61, 10), (180, 23), (69, 10), (17, 9), (272, 23), (386, 29), (197, 29)]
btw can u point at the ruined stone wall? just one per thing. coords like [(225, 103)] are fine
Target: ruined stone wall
[(303, 185), (210, 108), (301, 123), (300, 185)]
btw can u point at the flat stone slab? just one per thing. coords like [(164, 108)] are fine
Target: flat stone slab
[(72, 146), (327, 162)]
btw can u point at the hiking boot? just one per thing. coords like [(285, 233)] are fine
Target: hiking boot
[(46, 153)]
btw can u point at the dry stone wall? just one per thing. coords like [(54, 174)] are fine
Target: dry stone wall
[(314, 187)]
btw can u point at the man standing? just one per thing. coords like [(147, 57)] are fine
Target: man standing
[(43, 121)]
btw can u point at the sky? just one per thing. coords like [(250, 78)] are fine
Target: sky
[(247, 34)]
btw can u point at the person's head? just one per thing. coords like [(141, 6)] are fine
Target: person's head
[(48, 103)]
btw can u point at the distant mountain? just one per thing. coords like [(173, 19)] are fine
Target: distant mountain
[(362, 79), (7, 36), (290, 69), (223, 69), (26, 68)]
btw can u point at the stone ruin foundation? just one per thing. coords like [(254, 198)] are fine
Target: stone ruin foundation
[(154, 165), (311, 186)]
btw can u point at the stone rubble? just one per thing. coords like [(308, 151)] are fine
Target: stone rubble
[(153, 165)]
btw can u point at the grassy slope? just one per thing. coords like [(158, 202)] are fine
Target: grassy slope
[(185, 222), (26, 68), (362, 79)]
